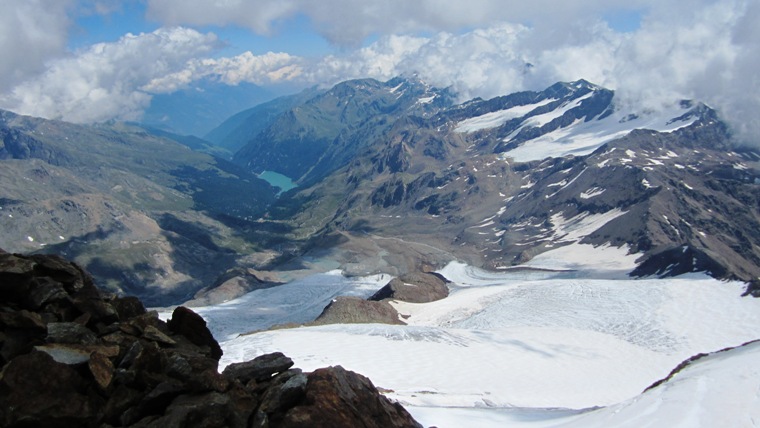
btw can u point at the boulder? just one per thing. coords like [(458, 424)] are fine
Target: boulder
[(336, 397), (259, 369), (193, 326), (354, 310), (71, 357), (414, 288), (70, 332), (35, 390)]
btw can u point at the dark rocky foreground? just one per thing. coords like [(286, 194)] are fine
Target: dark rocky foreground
[(72, 357)]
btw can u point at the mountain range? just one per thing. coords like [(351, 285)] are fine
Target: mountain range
[(497, 182), (392, 177), (544, 257)]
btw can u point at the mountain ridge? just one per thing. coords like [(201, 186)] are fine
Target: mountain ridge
[(439, 172), (397, 177)]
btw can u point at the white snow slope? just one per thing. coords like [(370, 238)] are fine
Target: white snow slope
[(583, 137), (507, 350)]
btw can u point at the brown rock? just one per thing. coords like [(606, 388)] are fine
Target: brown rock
[(141, 322), (156, 401), (101, 369), (284, 392), (43, 291), (354, 310), (37, 391), (23, 320), (122, 398), (414, 288), (70, 357), (206, 411), (154, 334), (128, 307), (192, 326), (336, 397)]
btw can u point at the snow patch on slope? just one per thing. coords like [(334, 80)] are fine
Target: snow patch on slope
[(497, 118), (583, 137)]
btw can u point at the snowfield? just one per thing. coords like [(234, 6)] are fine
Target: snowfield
[(528, 348), (583, 137)]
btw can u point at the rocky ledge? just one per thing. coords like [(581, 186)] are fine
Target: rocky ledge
[(72, 357)]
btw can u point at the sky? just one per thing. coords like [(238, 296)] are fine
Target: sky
[(95, 60)]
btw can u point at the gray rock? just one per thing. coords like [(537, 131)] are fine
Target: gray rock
[(70, 332), (260, 368), (414, 288), (353, 310)]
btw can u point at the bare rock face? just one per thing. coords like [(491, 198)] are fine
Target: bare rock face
[(192, 326), (354, 310), (259, 369), (414, 288), (71, 357), (335, 397)]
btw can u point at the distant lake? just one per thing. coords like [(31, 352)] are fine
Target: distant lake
[(284, 183)]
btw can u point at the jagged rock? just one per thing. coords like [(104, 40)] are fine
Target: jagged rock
[(260, 368), (154, 334), (753, 288), (414, 288), (128, 307), (23, 320), (192, 326), (207, 410), (35, 390), (87, 360), (101, 368), (336, 397), (70, 332), (354, 310), (178, 367), (286, 389), (159, 398)]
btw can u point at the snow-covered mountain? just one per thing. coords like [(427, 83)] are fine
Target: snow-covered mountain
[(500, 182), (566, 119), (567, 198), (591, 248)]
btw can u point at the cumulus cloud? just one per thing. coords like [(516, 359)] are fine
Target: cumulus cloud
[(31, 31), (103, 82), (701, 50), (349, 22), (269, 68), (707, 50)]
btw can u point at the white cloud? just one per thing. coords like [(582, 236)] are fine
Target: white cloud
[(256, 15), (31, 31), (103, 81), (349, 22), (266, 69), (702, 49)]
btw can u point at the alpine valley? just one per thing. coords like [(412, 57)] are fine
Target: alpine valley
[(543, 258)]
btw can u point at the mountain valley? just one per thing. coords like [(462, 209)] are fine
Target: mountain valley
[(391, 177), (543, 259)]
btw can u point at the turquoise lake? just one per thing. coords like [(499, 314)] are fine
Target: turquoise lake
[(284, 183)]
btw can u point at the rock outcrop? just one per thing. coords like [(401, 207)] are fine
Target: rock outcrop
[(72, 357), (414, 288), (354, 310)]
